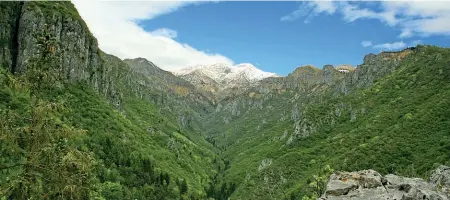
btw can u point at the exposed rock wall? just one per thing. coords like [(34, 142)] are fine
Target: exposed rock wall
[(80, 59)]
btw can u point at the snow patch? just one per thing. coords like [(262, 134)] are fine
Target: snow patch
[(226, 75)]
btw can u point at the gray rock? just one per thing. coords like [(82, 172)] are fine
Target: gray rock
[(285, 133), (369, 184), (353, 116), (412, 188), (264, 163), (441, 176), (304, 127), (290, 140), (340, 187)]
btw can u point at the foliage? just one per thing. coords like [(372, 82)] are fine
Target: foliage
[(380, 125), (318, 182), (42, 164), (64, 140)]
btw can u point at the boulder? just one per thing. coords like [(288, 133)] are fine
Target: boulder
[(412, 188), (349, 183), (371, 185)]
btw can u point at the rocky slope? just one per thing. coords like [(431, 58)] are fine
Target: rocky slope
[(369, 184)]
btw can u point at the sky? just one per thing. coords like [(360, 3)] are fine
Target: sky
[(274, 36)]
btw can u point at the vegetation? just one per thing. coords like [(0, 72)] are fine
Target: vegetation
[(150, 137), (318, 183), (64, 140), (35, 141), (380, 127)]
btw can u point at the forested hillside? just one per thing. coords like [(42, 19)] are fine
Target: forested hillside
[(394, 121), (78, 123)]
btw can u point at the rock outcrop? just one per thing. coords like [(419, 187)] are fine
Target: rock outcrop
[(369, 184), (78, 56), (441, 178)]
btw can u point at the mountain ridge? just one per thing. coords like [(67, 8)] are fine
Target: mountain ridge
[(223, 76)]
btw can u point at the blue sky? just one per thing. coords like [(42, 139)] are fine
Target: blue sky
[(280, 36)]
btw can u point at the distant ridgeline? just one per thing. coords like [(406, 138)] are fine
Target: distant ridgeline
[(77, 123)]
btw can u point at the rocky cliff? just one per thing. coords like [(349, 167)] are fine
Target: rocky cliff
[(80, 58), (81, 61)]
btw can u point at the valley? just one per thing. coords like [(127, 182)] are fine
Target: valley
[(78, 123)]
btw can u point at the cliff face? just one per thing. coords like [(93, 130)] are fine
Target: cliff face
[(9, 14), (80, 59)]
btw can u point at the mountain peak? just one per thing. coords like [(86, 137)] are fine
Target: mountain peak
[(226, 76)]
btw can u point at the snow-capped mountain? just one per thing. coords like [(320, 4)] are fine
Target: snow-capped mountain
[(222, 76)]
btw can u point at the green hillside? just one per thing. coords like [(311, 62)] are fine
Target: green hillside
[(107, 136), (399, 124)]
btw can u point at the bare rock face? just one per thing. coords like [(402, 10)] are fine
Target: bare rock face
[(371, 185), (441, 176), (78, 55)]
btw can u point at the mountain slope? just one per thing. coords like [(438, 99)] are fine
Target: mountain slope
[(279, 134), (141, 137)]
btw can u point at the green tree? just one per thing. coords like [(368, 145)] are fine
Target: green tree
[(112, 190), (183, 187), (47, 166), (318, 183)]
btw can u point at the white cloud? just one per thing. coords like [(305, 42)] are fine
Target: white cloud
[(165, 32), (114, 24), (309, 10), (304, 11), (325, 6), (406, 33), (421, 18), (352, 12), (366, 43), (390, 46)]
